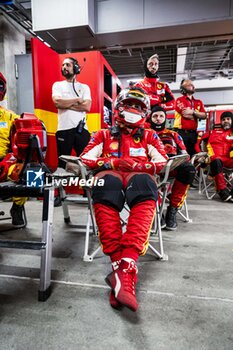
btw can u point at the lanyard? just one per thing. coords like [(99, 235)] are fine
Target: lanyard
[(192, 103)]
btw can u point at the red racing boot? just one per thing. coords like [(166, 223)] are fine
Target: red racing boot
[(115, 304), (123, 281)]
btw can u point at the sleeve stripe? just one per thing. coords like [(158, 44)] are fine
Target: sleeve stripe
[(94, 152), (155, 156)]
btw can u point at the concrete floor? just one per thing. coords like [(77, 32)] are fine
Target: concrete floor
[(185, 303)]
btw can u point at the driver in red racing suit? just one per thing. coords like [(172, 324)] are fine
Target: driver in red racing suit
[(183, 174), (127, 157)]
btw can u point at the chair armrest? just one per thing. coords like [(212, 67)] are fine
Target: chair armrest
[(84, 171), (171, 164), (200, 157)]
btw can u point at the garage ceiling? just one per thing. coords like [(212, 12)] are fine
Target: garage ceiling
[(203, 60), (197, 59)]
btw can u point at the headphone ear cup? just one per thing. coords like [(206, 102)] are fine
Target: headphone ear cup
[(115, 130), (182, 90), (76, 68)]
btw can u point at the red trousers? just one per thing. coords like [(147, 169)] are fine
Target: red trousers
[(134, 241), (219, 179)]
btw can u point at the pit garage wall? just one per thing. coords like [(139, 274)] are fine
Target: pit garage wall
[(46, 65)]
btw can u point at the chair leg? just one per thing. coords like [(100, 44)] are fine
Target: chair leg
[(65, 209), (89, 257), (159, 253), (207, 186), (184, 213), (92, 215), (46, 251)]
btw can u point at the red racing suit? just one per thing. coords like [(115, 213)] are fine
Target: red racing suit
[(148, 153), (159, 93), (220, 146), (184, 174), (173, 142)]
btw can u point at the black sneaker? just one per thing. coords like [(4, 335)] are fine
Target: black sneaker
[(171, 223), (162, 221), (193, 187), (17, 215), (225, 195)]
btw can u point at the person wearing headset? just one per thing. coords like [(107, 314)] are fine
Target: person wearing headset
[(73, 101), (188, 111), (126, 157)]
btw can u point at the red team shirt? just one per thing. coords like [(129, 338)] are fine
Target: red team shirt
[(159, 93), (184, 102)]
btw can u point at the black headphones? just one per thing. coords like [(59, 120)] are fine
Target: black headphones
[(76, 66), (115, 131), (182, 89)]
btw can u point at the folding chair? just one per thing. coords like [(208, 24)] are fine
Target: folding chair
[(200, 162), (206, 184), (197, 160), (66, 199), (228, 174), (203, 177), (162, 182), (165, 187)]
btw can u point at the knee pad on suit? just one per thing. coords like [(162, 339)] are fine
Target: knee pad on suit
[(186, 173), (140, 187), (111, 193), (216, 167)]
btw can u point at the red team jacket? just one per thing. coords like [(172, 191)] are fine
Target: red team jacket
[(173, 142), (184, 102), (220, 143), (159, 93), (147, 150)]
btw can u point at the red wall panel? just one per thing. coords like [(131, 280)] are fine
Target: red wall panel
[(46, 70)]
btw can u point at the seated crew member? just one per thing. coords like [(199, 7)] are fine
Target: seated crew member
[(6, 119), (188, 110), (220, 150), (127, 156), (184, 173), (159, 92)]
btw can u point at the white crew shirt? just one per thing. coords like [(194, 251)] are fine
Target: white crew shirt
[(68, 119)]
